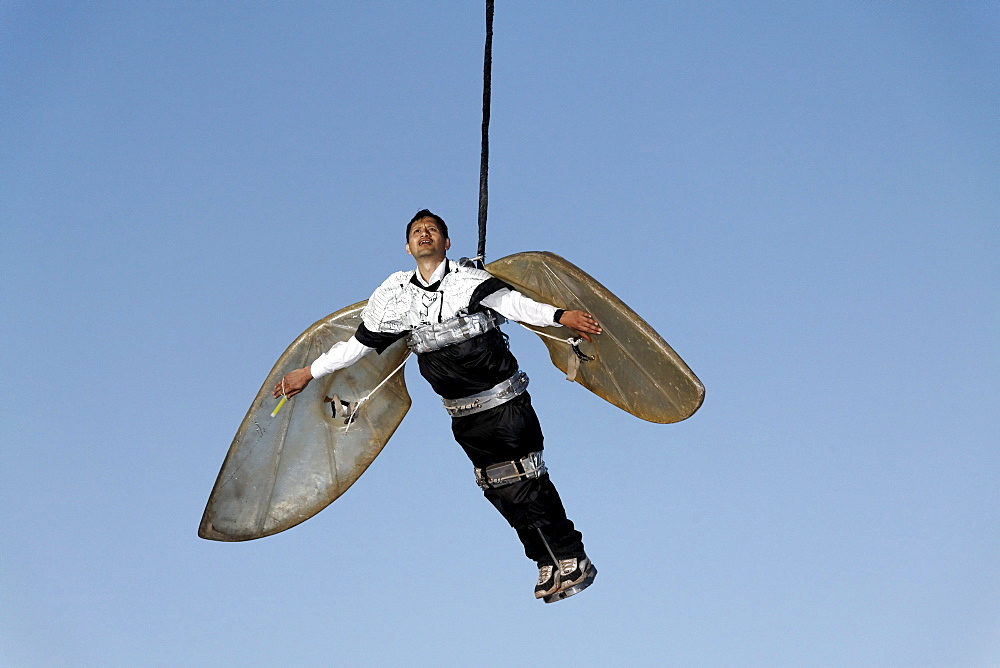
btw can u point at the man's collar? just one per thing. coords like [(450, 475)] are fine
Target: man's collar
[(438, 274)]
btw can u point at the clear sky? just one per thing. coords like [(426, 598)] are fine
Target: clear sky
[(802, 198)]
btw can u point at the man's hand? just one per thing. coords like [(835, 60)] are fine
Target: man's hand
[(580, 322), (293, 382)]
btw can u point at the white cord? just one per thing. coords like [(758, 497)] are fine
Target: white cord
[(573, 340), (365, 398)]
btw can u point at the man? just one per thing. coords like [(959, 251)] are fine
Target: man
[(448, 312)]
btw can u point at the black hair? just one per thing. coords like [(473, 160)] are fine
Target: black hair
[(426, 213)]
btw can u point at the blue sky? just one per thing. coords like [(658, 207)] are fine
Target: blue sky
[(802, 198)]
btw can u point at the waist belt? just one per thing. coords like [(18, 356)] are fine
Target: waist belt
[(507, 473), (451, 331), (499, 394)]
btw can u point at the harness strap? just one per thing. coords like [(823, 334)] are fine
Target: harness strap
[(497, 395), (453, 330), (508, 473)]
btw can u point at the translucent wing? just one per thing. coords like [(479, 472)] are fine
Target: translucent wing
[(282, 470), (634, 368)]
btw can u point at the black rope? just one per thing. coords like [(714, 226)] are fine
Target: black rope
[(484, 162)]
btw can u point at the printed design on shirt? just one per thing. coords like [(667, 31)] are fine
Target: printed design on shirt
[(398, 306), (428, 300), (388, 308)]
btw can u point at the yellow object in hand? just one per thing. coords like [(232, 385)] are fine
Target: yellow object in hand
[(278, 407)]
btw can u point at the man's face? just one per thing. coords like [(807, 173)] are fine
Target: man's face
[(426, 240)]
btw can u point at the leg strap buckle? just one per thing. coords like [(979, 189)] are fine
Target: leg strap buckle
[(507, 473)]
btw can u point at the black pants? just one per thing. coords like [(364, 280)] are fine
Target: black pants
[(531, 506)]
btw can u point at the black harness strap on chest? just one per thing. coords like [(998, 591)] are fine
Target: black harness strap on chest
[(377, 340), (484, 290)]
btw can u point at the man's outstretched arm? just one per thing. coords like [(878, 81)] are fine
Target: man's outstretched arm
[(516, 306), (340, 355)]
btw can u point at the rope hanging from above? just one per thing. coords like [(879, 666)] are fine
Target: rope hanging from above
[(484, 162)]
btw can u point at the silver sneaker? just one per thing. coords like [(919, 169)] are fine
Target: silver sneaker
[(548, 581), (574, 576)]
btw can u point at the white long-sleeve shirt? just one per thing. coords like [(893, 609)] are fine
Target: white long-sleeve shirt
[(507, 302)]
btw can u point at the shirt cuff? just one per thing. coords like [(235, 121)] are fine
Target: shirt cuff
[(316, 369)]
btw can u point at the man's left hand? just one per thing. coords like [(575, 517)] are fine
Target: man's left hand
[(580, 322)]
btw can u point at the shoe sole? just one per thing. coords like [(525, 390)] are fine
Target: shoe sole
[(544, 594), (575, 589)]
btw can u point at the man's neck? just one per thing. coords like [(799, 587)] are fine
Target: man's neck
[(427, 266)]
